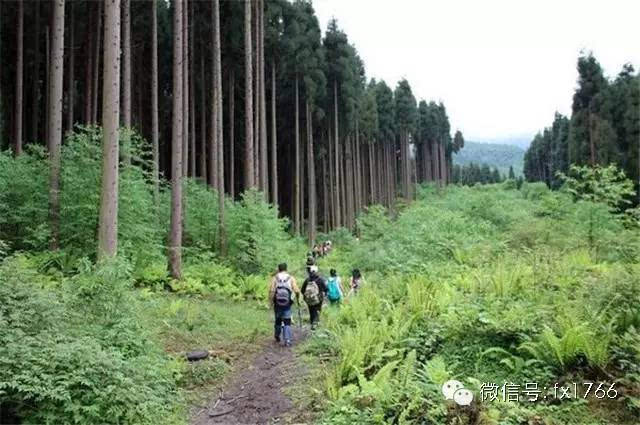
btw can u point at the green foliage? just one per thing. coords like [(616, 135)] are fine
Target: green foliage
[(66, 359), (495, 155)]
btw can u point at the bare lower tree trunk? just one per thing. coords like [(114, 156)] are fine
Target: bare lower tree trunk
[(192, 106), (154, 100), (47, 43), (297, 193), (336, 139), (325, 195), (108, 221), (185, 90), (17, 135), (443, 165), (248, 108), (232, 140), (203, 119), (71, 82), (264, 169), (96, 67), (274, 137), (35, 94), (88, 67), (372, 185), (332, 173), (343, 187), (54, 123), (311, 177), (175, 244), (126, 63), (217, 70)]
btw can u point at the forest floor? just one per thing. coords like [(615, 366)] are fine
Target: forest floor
[(260, 391)]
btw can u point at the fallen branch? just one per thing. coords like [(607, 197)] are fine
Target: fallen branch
[(226, 412)]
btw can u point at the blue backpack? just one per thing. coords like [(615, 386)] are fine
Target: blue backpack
[(334, 289)]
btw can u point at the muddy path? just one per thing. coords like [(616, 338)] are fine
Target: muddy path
[(257, 393)]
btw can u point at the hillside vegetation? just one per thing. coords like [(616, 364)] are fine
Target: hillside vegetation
[(492, 154)]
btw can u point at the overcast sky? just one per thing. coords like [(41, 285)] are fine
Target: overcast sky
[(502, 67)]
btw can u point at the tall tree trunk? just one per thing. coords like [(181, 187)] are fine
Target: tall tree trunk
[(274, 137), (264, 163), (126, 64), (232, 130), (88, 67), (325, 195), (343, 185), (332, 173), (248, 106), (203, 118), (175, 244), (47, 44), (297, 193), (256, 101), (213, 136), (217, 70), (192, 106), (108, 221), (54, 123), (372, 184), (311, 177), (71, 82), (154, 100), (185, 90), (442, 164), (96, 66), (17, 134), (35, 87), (337, 204), (1, 98)]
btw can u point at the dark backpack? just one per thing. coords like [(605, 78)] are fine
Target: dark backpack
[(282, 296), (312, 293)]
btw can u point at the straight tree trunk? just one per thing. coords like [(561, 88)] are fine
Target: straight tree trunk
[(217, 69), (213, 136), (372, 184), (54, 123), (17, 134), (256, 100), (349, 183), (332, 173), (154, 100), (248, 106), (311, 177), (297, 193), (175, 243), (264, 163), (88, 81), (192, 106), (274, 137), (1, 98), (203, 118), (443, 171), (185, 90), (71, 82), (108, 220), (96, 66), (344, 213), (325, 195), (337, 204), (232, 130), (47, 43), (35, 96), (126, 64)]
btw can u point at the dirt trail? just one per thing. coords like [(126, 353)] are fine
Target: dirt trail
[(256, 394)]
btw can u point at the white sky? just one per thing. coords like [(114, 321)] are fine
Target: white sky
[(502, 67)]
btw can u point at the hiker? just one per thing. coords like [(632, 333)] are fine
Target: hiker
[(335, 292), (313, 290), (316, 251), (311, 261), (281, 294), (356, 281)]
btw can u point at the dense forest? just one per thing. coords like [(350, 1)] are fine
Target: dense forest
[(235, 95), (604, 127), (500, 156), (160, 159)]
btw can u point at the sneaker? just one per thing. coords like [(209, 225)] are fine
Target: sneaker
[(287, 343)]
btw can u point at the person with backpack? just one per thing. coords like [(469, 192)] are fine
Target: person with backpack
[(335, 292), (356, 281), (282, 290), (311, 261), (313, 290)]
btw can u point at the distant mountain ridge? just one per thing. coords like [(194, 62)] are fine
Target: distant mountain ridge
[(497, 155)]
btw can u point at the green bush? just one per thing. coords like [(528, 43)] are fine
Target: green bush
[(76, 354)]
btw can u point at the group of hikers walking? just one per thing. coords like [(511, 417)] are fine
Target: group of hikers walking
[(284, 292)]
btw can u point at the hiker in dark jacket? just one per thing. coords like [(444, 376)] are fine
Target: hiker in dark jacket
[(314, 289), (311, 261)]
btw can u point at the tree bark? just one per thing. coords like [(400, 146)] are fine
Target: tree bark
[(203, 118), (96, 66), (88, 67), (217, 69), (185, 89), (108, 220), (332, 173), (54, 123), (311, 177), (338, 222), (126, 64), (192, 106), (17, 135), (71, 82), (232, 130), (175, 244), (264, 162), (35, 95), (274, 137), (297, 193), (248, 106), (154, 101)]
